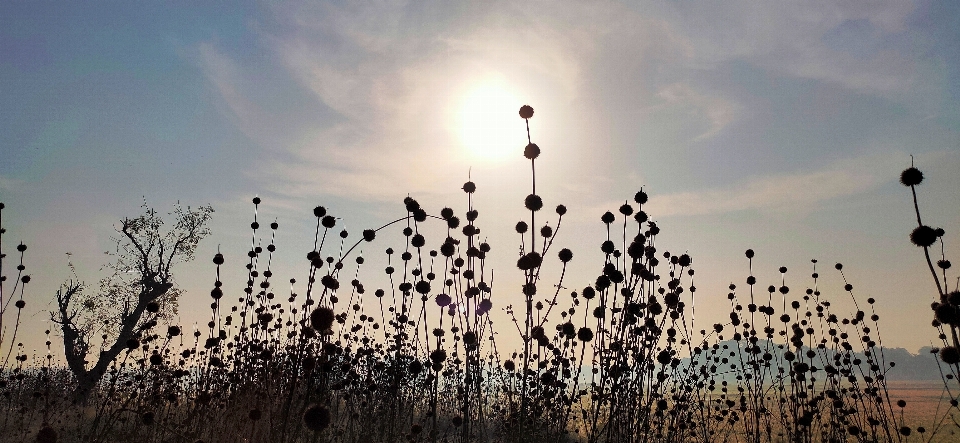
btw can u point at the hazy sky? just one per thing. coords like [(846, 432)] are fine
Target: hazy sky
[(778, 126)]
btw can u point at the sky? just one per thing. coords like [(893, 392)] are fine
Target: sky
[(776, 126)]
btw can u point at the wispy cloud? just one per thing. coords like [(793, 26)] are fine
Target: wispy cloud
[(799, 38), (796, 190), (391, 88), (715, 110), (224, 75), (389, 73)]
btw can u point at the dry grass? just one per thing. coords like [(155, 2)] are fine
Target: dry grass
[(928, 406)]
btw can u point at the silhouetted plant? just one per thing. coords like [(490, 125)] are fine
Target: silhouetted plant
[(16, 292), (946, 306), (411, 354)]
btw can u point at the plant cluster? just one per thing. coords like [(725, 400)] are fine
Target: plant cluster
[(414, 358)]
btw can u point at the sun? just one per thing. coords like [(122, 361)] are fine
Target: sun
[(489, 125)]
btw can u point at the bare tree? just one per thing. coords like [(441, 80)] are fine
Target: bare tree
[(139, 292)]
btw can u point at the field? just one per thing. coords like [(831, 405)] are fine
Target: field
[(927, 406)]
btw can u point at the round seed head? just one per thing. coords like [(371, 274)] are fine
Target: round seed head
[(923, 236), (532, 151), (322, 318), (950, 355), (526, 111), (316, 418), (911, 176), (47, 435)]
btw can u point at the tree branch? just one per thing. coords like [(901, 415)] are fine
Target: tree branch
[(75, 344)]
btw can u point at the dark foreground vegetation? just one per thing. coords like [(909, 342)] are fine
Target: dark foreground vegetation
[(410, 353)]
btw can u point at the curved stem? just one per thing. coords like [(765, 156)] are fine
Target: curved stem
[(926, 249), (378, 230)]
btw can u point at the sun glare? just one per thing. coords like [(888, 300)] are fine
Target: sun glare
[(489, 125)]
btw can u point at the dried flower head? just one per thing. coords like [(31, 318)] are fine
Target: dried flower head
[(521, 227), (526, 111), (316, 418), (47, 435), (911, 177), (585, 335), (322, 318), (923, 236), (532, 151), (533, 202), (950, 355)]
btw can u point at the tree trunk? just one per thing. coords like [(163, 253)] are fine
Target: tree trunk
[(87, 380)]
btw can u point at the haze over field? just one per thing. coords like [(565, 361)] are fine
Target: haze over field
[(780, 127)]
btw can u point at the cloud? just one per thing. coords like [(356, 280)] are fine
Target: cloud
[(794, 190), (391, 90), (717, 111), (224, 74), (800, 39), (388, 76)]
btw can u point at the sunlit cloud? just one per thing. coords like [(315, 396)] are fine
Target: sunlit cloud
[(397, 91), (793, 191), (400, 97)]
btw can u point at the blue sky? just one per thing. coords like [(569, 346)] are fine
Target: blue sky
[(777, 126)]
